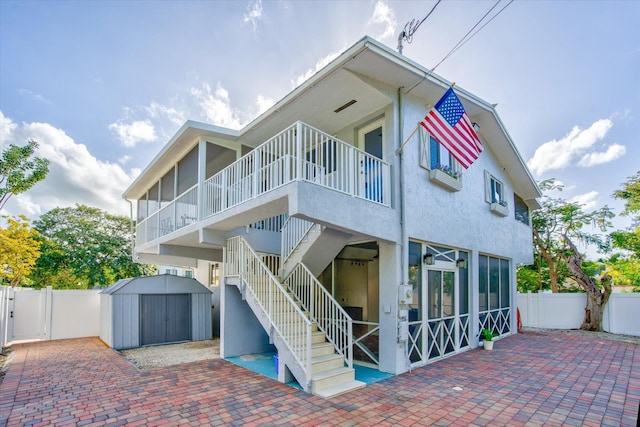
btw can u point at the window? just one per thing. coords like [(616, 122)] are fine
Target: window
[(214, 276), (521, 210), (494, 190), (434, 155), (188, 274)]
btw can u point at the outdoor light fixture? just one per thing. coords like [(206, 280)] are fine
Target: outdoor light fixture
[(461, 263), (429, 259), (476, 126)]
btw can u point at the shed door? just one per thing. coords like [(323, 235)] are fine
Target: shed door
[(165, 318)]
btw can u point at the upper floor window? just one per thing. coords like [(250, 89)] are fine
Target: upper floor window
[(494, 190), (521, 210), (434, 155)]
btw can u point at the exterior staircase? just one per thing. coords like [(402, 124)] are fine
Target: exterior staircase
[(316, 349)]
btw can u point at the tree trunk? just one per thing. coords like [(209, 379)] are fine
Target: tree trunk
[(596, 298)]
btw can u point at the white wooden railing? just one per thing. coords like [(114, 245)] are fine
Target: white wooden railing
[(284, 315), (294, 231), (299, 152), (331, 318)]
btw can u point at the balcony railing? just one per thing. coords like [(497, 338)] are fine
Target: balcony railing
[(298, 153)]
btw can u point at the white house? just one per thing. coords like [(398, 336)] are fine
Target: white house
[(332, 240)]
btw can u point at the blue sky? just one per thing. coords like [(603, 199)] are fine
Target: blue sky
[(102, 85)]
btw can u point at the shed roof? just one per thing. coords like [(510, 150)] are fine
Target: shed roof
[(160, 284)]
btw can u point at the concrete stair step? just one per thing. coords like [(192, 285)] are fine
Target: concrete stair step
[(326, 363), (340, 389), (332, 377)]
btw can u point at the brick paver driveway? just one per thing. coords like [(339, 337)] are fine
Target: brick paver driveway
[(529, 379)]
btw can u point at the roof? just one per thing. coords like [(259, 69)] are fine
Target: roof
[(339, 82), (159, 284)]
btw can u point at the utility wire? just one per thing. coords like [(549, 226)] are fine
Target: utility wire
[(468, 37), (411, 27), (462, 41)]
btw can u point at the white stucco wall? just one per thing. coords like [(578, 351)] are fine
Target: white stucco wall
[(460, 219)]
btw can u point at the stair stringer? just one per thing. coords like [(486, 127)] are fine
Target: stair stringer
[(274, 338), (319, 247)]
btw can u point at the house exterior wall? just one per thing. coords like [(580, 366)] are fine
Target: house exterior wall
[(461, 219)]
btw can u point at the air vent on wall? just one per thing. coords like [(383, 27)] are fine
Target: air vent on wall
[(347, 105)]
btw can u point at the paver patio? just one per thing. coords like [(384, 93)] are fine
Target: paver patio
[(548, 378)]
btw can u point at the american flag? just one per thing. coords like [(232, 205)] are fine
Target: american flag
[(449, 124)]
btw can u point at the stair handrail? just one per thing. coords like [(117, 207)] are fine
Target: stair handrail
[(274, 300), (294, 230), (331, 318)]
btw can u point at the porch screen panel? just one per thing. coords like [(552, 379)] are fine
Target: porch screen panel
[(504, 283), (463, 280), (415, 308), (142, 208), (167, 184), (435, 277), (483, 282), (494, 283), (188, 171), (463, 301), (448, 294), (153, 202)]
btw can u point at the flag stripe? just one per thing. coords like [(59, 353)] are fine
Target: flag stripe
[(449, 124)]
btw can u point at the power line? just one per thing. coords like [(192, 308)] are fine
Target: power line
[(411, 27), (468, 37), (460, 43)]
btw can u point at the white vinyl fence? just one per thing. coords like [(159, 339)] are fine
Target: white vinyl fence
[(47, 314), (566, 311)]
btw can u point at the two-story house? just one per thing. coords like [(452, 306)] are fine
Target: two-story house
[(334, 235)]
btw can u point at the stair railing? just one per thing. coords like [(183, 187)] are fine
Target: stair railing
[(331, 318), (294, 231), (285, 317)]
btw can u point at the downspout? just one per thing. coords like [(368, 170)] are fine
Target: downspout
[(403, 223), (131, 227)]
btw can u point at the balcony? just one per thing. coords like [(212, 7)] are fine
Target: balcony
[(298, 153)]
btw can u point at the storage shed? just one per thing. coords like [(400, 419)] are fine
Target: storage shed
[(155, 310)]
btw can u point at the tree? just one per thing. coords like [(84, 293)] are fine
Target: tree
[(84, 247), (19, 250), (19, 171), (557, 228), (630, 193)]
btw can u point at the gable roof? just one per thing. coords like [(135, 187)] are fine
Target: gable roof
[(316, 100)]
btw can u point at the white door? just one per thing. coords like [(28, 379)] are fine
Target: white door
[(371, 140)]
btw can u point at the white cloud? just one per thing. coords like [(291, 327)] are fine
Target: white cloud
[(588, 201), (216, 106), (254, 13), (33, 95), (578, 143), (382, 14), (264, 103), (75, 175), (7, 127), (123, 160), (159, 111), (323, 62), (133, 133), (614, 151)]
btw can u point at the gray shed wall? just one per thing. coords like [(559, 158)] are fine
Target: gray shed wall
[(124, 307)]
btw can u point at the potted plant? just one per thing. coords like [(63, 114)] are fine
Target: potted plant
[(487, 335)]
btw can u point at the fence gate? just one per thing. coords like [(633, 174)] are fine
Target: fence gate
[(23, 313)]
